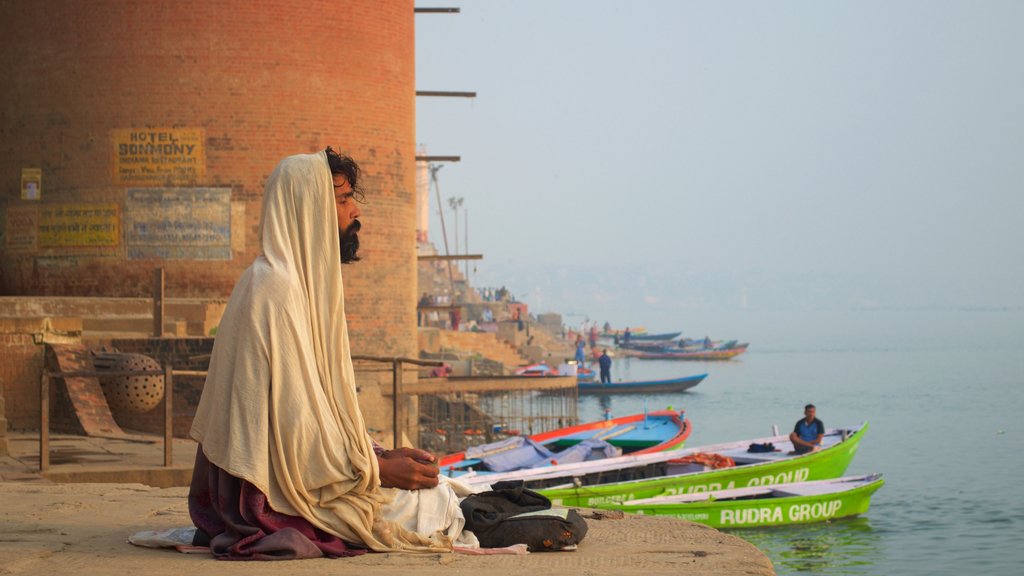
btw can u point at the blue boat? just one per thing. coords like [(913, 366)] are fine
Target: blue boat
[(641, 386)]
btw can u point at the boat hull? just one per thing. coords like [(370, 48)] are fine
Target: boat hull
[(627, 432), (825, 464), (664, 337), (696, 355), (642, 387), (761, 512)]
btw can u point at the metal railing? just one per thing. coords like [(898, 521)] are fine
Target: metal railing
[(168, 404)]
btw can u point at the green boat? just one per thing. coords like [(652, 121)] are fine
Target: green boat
[(594, 487), (798, 503)]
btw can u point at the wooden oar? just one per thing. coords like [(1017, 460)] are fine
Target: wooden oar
[(615, 433)]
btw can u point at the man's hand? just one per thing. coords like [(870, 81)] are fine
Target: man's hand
[(408, 469)]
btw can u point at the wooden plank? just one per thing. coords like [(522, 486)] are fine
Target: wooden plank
[(448, 258), (439, 158), (44, 422), (98, 373), (168, 416), (446, 93), (158, 303)]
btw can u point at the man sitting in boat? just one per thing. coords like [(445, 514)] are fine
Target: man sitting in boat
[(808, 432)]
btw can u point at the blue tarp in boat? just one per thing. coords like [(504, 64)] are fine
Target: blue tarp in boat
[(590, 449)]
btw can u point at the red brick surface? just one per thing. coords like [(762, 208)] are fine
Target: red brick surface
[(21, 363), (264, 79)]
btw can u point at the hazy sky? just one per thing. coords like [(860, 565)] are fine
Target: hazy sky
[(632, 159)]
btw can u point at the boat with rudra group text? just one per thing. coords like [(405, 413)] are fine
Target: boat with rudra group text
[(609, 483), (759, 506)]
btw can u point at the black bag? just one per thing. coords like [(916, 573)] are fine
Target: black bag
[(512, 514), (758, 448)]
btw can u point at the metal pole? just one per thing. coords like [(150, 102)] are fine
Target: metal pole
[(44, 422), (444, 232), (465, 233), (168, 416), (158, 302), (455, 211)]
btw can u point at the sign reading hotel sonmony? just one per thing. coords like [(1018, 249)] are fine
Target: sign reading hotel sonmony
[(158, 156), (178, 223)]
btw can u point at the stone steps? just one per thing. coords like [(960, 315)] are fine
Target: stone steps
[(485, 344)]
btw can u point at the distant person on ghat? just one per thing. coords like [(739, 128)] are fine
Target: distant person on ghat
[(581, 355), (808, 432), (285, 467), (605, 363)]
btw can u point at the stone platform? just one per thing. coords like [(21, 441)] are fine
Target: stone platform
[(82, 529)]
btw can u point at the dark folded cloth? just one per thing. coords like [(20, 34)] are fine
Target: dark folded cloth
[(512, 514)]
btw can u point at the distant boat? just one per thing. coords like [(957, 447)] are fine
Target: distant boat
[(641, 386), (758, 506), (649, 337), (721, 353), (636, 435)]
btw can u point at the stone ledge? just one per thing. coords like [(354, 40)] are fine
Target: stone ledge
[(54, 528)]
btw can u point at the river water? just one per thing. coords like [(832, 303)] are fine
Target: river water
[(943, 392)]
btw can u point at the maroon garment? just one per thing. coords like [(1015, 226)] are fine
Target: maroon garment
[(236, 521)]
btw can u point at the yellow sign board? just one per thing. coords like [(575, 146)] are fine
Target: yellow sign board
[(78, 225), (20, 233), (31, 183), (158, 156)]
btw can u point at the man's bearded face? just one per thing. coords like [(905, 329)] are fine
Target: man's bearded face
[(348, 225), (349, 240)]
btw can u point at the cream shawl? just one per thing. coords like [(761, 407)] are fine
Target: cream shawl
[(279, 408)]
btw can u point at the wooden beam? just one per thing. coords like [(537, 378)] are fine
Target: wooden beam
[(446, 94), (437, 10), (44, 422), (168, 416), (158, 303), (443, 258), (439, 158)]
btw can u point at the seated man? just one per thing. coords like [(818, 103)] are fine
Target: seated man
[(285, 467), (807, 433)]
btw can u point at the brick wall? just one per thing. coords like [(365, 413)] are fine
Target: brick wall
[(264, 79)]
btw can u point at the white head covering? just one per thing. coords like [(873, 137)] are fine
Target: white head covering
[(279, 408)]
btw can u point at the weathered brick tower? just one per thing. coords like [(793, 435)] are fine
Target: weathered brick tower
[(137, 135)]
